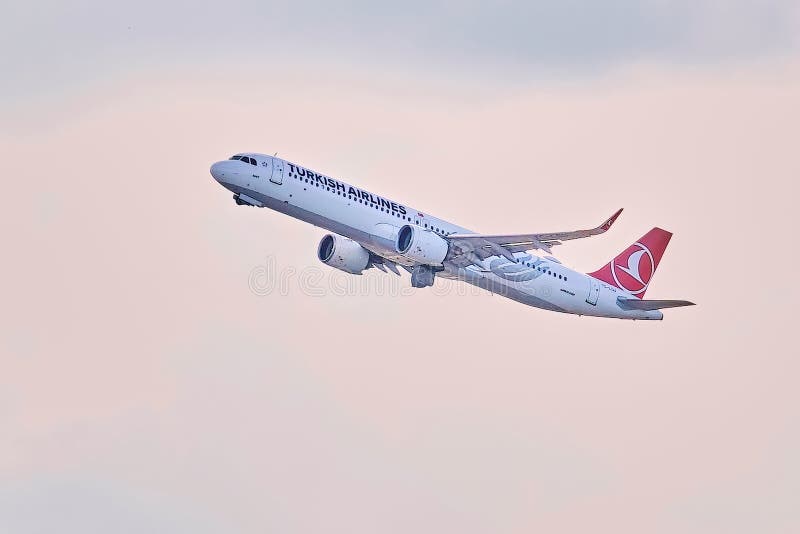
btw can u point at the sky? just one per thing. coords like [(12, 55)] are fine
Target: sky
[(174, 363)]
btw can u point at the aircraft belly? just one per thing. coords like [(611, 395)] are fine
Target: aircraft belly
[(379, 239), (519, 291), (341, 221)]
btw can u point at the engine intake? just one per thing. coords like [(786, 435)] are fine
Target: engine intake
[(421, 246), (343, 254)]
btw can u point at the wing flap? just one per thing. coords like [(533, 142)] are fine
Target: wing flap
[(485, 245), (522, 242)]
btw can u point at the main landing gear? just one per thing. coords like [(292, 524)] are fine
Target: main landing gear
[(422, 276)]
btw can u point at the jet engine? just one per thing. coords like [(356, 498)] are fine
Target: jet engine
[(421, 246), (343, 254)]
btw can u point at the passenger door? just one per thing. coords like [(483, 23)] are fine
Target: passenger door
[(277, 171), (594, 291)]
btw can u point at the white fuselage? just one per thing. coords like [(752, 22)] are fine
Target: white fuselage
[(374, 221)]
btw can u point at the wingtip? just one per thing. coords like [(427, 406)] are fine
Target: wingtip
[(606, 225)]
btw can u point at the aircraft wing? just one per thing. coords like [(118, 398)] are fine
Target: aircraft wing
[(485, 245)]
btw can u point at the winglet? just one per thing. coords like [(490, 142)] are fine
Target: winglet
[(606, 225)]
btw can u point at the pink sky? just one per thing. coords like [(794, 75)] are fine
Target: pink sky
[(146, 387)]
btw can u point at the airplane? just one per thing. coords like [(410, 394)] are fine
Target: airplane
[(369, 230)]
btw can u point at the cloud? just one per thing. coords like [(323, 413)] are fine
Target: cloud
[(90, 505), (59, 46)]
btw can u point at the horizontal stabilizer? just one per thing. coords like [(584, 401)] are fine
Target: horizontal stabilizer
[(648, 305)]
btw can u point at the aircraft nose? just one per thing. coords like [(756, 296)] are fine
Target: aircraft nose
[(218, 171)]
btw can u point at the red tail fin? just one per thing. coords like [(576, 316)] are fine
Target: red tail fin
[(633, 269)]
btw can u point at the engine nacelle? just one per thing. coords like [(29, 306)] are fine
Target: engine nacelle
[(343, 254), (421, 246)]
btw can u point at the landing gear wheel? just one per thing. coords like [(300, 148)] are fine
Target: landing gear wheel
[(422, 276)]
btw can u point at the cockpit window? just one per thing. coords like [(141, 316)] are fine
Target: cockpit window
[(245, 159)]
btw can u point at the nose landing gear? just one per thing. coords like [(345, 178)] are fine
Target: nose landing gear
[(244, 200)]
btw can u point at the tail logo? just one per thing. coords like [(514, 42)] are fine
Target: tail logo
[(633, 273)]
